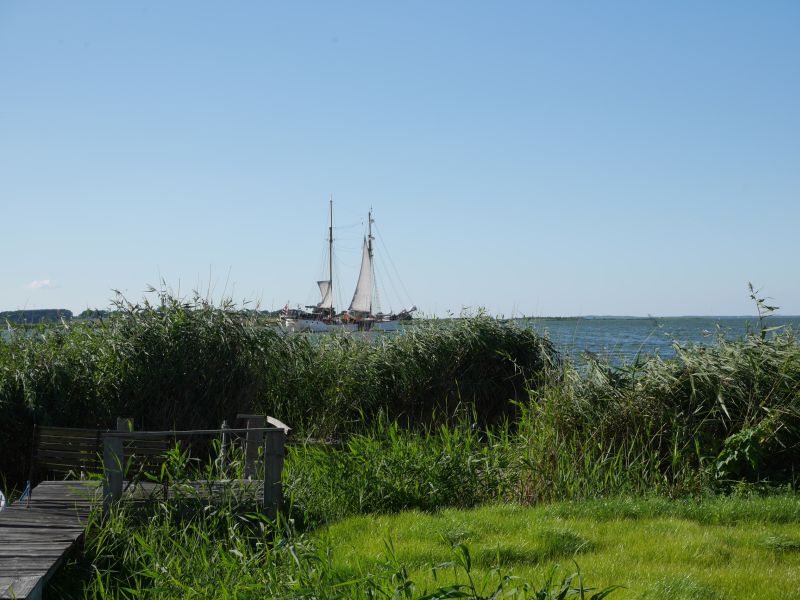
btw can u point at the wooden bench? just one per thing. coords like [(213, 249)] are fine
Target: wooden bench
[(64, 453), (75, 453), (124, 454), (271, 438)]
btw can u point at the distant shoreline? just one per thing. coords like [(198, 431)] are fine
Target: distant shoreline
[(44, 316)]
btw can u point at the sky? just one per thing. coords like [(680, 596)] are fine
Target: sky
[(529, 158)]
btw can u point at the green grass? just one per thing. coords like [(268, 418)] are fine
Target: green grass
[(715, 548), (224, 552)]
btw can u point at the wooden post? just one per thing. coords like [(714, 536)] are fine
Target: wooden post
[(31, 471), (274, 448), (251, 444), (223, 449), (124, 424), (112, 464)]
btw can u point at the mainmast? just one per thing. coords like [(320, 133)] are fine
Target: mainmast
[(370, 221), (369, 249), (330, 255)]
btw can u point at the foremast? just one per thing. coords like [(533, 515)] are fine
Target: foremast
[(362, 297), (330, 256), (325, 306)]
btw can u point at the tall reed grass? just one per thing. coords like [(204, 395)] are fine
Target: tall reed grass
[(710, 417), (710, 420), (187, 364)]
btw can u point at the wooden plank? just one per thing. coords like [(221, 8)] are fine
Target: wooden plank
[(175, 434), (28, 567), (67, 458), (64, 472), (62, 442), (21, 587), (144, 451), (67, 439), (63, 432), (161, 441), (32, 536), (68, 453), (149, 443), (55, 519)]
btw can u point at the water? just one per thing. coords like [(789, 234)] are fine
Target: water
[(621, 339)]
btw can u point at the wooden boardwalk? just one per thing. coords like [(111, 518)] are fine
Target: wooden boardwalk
[(35, 540)]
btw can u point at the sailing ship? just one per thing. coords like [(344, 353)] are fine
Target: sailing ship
[(361, 315)]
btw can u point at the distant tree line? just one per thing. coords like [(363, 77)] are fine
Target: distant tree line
[(36, 316), (56, 315)]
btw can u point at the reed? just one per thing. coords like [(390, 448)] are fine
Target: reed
[(710, 417), (391, 469), (187, 364)]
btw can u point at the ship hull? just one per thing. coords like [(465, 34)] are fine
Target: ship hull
[(299, 325), (315, 326), (386, 326)]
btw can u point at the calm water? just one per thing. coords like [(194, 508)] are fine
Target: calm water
[(621, 339)]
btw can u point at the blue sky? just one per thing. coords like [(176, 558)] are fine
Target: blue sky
[(527, 157)]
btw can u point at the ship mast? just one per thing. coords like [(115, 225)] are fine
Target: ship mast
[(362, 302), (369, 249), (330, 256)]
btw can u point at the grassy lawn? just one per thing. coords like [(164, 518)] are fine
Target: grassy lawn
[(716, 548)]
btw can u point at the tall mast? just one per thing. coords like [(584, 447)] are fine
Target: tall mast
[(369, 248), (362, 302), (330, 254), (369, 236)]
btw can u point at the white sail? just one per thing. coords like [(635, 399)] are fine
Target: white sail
[(362, 298), (325, 292)]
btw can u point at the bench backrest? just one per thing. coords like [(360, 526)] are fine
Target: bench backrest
[(62, 452), (65, 451), (145, 455)]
